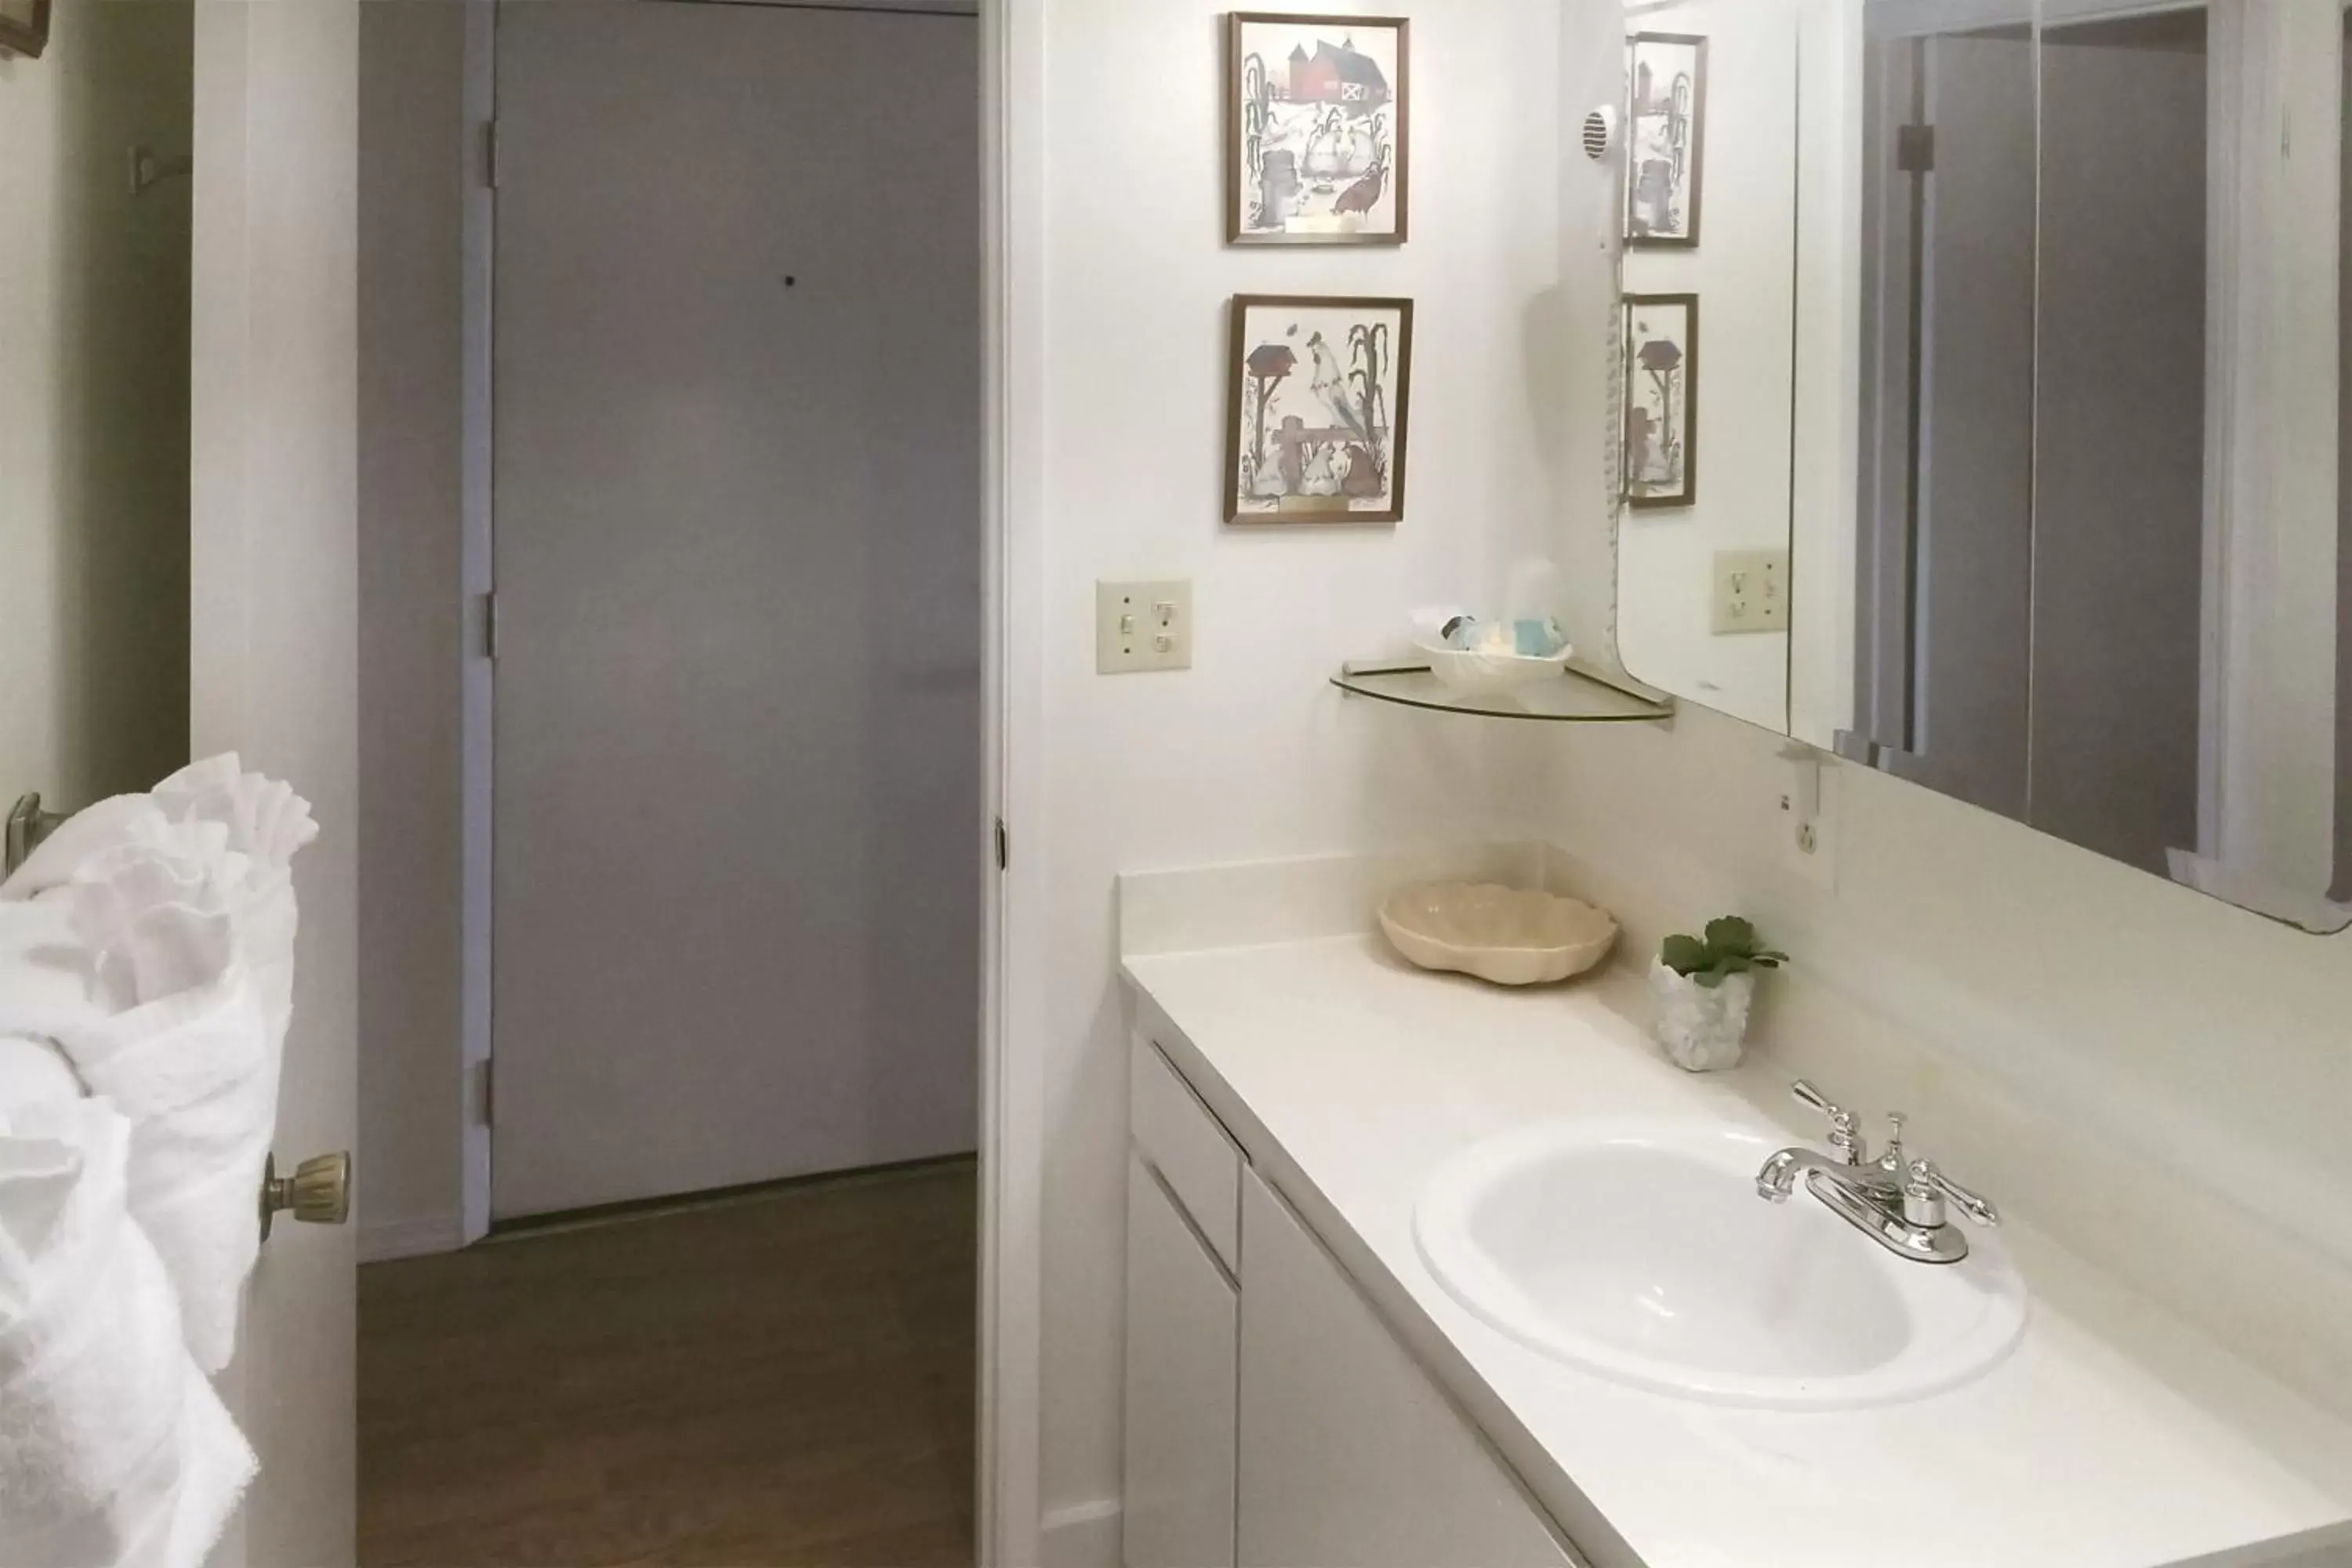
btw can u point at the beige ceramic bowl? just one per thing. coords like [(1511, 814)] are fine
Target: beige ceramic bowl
[(1503, 934)]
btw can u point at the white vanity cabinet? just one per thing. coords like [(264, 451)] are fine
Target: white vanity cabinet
[(1271, 1419), (1348, 1452), (1183, 1325)]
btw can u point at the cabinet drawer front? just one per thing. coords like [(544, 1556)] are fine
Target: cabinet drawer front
[(1182, 1332), (1189, 1147)]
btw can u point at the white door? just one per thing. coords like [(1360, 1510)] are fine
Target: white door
[(738, 549), (274, 663)]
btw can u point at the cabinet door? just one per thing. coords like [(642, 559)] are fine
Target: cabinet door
[(1350, 1453), (1181, 1333)]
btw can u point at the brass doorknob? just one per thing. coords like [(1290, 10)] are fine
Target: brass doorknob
[(318, 1193)]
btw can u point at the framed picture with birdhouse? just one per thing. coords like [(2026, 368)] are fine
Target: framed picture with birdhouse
[(1319, 394), (1315, 141), (24, 27)]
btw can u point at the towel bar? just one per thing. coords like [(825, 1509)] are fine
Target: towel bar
[(27, 826)]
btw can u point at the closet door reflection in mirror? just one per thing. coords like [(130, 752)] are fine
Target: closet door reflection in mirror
[(2091, 573)]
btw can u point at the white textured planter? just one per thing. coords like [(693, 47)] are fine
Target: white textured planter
[(1703, 1028)]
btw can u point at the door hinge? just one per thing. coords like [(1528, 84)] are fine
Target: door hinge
[(490, 153), (1004, 846), (490, 625), (1915, 149), (486, 1091)]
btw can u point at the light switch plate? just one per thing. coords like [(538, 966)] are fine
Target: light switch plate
[(1143, 626), (1751, 591)]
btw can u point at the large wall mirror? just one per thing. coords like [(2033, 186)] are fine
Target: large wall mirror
[(2003, 410), (95, 214)]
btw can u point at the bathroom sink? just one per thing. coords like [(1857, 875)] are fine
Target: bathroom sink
[(1643, 1254)]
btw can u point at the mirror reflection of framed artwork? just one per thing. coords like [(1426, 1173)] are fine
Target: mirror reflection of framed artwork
[(1667, 87), (24, 27), (1660, 436)]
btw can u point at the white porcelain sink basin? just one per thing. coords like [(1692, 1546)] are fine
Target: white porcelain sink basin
[(1643, 1254)]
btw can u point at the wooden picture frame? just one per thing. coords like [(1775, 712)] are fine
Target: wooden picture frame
[(24, 27), (1343, 363), (1665, 139), (1658, 451), (1318, 140)]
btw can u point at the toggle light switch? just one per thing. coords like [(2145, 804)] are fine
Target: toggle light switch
[(1142, 626)]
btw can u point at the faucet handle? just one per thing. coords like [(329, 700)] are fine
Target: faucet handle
[(1894, 1159), (1929, 1190), (1842, 1136)]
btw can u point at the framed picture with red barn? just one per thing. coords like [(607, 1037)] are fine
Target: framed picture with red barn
[(1315, 137)]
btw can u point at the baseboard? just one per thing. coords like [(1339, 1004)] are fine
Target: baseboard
[(382, 1240), (1084, 1536)]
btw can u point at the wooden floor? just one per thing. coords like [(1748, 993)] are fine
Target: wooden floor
[(776, 1381)]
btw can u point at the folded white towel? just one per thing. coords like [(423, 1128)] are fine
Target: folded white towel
[(80, 836), (180, 921), (185, 1049), (265, 819), (45, 976), (113, 1448), (267, 823), (33, 1070)]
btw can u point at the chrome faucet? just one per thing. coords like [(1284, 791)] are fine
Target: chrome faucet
[(1902, 1204)]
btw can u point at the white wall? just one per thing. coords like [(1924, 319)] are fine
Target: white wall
[(94, 407), (1743, 271), (413, 172), (1250, 753)]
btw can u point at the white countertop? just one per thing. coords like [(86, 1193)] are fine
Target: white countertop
[(2113, 1437)]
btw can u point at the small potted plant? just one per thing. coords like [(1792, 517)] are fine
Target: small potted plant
[(1704, 986)]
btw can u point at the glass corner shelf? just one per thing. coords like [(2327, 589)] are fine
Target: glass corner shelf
[(1581, 695)]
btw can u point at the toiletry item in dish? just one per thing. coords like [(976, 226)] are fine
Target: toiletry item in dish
[(1531, 604), (1446, 625), (1537, 638)]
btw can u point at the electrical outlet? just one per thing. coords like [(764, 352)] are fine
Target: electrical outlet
[(1751, 591), (1142, 626), (1808, 817)]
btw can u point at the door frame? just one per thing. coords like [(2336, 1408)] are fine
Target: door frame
[(1012, 1143), (274, 667)]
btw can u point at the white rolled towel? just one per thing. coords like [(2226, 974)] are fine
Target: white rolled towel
[(114, 1450)]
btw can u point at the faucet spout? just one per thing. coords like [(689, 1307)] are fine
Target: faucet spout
[(1898, 1202), (1778, 1178)]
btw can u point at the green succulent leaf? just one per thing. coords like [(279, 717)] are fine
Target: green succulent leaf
[(1731, 935), (1684, 954), (1730, 947)]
